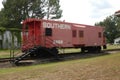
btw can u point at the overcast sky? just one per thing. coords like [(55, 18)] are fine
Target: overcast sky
[(87, 11)]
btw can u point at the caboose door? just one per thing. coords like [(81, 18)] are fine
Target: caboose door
[(78, 37), (74, 37), (37, 32), (81, 37)]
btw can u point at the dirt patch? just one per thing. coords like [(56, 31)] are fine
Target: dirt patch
[(6, 65)]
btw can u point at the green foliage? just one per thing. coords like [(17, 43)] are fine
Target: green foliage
[(10, 29), (112, 27), (53, 9), (2, 29), (15, 11)]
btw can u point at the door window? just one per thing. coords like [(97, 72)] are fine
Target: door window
[(48, 32)]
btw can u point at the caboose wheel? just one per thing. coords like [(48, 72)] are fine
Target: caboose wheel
[(99, 49), (82, 49), (54, 50)]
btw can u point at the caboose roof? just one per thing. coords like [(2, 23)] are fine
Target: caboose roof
[(30, 20), (74, 24), (82, 26)]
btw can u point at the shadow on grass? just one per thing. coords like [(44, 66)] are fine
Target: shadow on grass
[(62, 57)]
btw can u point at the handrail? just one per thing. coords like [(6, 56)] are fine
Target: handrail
[(50, 41), (15, 50), (12, 52), (31, 42)]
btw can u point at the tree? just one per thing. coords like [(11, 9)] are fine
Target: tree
[(3, 19), (53, 8), (112, 27), (15, 11)]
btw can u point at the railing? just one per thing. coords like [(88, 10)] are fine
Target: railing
[(17, 50), (29, 44), (49, 42), (14, 51)]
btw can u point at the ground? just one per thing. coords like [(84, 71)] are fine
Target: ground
[(101, 67), (105, 66), (4, 53)]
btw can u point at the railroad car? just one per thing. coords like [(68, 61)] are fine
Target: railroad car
[(48, 35), (55, 34)]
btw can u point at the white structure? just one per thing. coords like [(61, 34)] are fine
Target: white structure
[(117, 41), (6, 41)]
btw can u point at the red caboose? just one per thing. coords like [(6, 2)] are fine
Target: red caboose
[(44, 37), (54, 34)]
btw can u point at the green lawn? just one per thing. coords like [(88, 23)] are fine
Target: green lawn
[(106, 67), (113, 46), (6, 53)]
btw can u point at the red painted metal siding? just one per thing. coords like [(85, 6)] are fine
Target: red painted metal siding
[(78, 41), (61, 34), (92, 36)]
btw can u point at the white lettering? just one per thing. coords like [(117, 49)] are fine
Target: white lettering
[(57, 41), (56, 25)]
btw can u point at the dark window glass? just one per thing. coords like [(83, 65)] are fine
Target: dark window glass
[(74, 33), (81, 33), (48, 32)]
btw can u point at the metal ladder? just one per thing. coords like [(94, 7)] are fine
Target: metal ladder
[(16, 60)]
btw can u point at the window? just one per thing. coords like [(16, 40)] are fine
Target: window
[(74, 33), (48, 32), (81, 34), (99, 34)]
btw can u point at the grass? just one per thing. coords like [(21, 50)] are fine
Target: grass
[(105, 67), (6, 53), (109, 46), (70, 50)]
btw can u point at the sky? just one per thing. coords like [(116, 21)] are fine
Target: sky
[(86, 11)]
